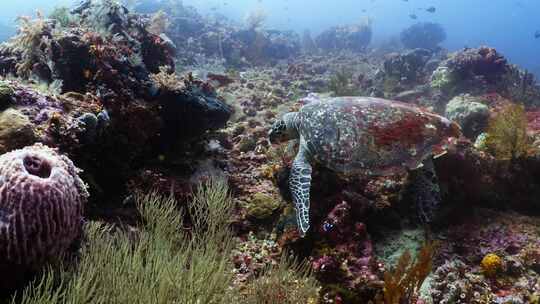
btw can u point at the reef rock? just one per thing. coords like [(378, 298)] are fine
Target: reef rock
[(426, 35), (408, 66), (352, 37), (471, 70), (41, 207), (469, 113), (16, 130)]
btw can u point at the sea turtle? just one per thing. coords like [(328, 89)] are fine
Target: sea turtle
[(364, 136)]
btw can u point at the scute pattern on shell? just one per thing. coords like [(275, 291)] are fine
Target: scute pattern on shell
[(41, 205), (371, 136)]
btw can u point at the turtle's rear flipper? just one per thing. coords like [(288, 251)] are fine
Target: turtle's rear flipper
[(426, 192), (299, 184)]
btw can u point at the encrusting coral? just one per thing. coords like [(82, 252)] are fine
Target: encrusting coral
[(491, 264), (41, 207)]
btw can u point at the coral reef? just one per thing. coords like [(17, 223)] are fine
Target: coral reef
[(198, 38), (350, 37), (162, 97), (470, 113), (97, 98), (41, 206), (407, 67), (343, 257), (6, 93), (491, 264), (471, 70), (425, 35), (507, 133), (15, 131), (402, 285), (453, 283)]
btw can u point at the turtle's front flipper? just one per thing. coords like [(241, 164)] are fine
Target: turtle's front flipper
[(426, 191), (299, 184)]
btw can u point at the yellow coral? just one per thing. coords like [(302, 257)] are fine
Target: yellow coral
[(269, 171), (491, 264), (507, 133)]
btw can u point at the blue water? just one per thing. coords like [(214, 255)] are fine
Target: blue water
[(508, 25)]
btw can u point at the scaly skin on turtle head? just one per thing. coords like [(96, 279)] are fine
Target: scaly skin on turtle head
[(284, 129)]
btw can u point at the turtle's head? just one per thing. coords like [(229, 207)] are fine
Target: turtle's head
[(450, 128), (284, 129)]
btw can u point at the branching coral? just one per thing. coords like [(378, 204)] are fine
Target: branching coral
[(62, 16), (507, 133), (289, 282), (402, 285), (31, 43), (158, 23), (341, 83), (167, 80)]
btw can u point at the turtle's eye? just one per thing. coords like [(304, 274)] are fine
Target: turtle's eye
[(277, 131)]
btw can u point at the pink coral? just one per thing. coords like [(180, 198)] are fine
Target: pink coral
[(41, 203)]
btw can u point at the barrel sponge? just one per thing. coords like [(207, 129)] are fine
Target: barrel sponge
[(41, 205)]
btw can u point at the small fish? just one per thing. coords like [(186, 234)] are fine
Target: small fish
[(431, 9), (413, 16), (537, 34)]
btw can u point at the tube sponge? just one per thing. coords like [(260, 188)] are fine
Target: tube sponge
[(41, 205)]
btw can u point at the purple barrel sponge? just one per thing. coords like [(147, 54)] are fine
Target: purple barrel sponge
[(41, 205)]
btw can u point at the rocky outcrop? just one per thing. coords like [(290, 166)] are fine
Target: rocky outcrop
[(351, 37)]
